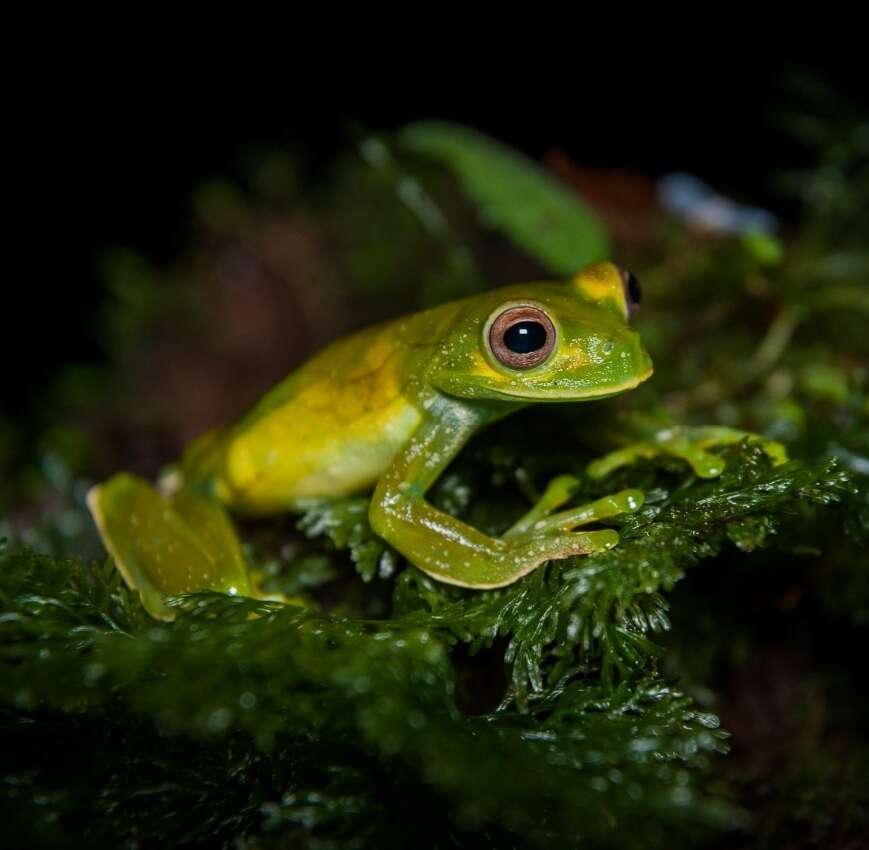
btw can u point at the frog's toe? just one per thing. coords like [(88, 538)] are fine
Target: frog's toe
[(558, 492), (776, 451), (603, 466), (616, 504), (555, 547), (705, 464), (693, 445)]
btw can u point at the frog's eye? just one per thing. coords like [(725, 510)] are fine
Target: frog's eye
[(633, 293), (522, 337)]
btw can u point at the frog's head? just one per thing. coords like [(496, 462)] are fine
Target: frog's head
[(547, 341)]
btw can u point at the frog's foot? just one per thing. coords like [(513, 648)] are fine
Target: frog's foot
[(463, 556), (546, 534), (557, 493), (527, 551), (167, 546), (542, 519), (689, 444), (454, 552)]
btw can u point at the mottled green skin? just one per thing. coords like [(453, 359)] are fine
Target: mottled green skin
[(389, 406)]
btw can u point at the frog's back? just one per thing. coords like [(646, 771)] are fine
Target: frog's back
[(333, 426)]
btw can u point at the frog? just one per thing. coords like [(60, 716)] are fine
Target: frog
[(387, 409)]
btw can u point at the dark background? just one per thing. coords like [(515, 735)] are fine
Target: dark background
[(104, 159)]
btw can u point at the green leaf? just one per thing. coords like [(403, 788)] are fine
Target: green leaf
[(543, 217)]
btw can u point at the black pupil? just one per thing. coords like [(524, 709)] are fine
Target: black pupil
[(525, 337)]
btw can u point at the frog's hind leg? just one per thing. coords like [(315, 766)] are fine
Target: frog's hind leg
[(167, 546)]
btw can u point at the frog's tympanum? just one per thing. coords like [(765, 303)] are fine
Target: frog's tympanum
[(390, 407)]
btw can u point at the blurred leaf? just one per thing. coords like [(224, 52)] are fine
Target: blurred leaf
[(545, 218)]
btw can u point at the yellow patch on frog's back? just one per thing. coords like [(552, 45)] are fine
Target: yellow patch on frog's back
[(339, 421)]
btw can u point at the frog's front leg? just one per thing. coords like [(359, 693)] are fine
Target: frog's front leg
[(689, 444), (450, 550)]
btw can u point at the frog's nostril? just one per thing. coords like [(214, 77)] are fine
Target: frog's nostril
[(608, 346)]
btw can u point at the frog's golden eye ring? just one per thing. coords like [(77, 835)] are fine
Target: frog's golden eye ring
[(633, 292), (522, 337)]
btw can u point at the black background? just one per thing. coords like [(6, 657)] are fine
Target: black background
[(106, 158)]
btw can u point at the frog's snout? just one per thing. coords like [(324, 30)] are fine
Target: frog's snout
[(643, 365), (623, 355)]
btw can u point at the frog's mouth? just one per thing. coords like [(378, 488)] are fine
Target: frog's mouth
[(568, 393)]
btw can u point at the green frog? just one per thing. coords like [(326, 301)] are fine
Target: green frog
[(389, 407)]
